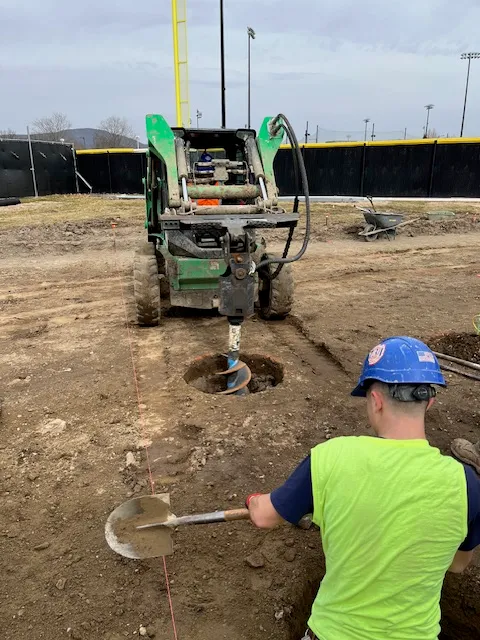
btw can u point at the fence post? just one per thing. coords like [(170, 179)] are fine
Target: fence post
[(362, 177), (74, 156), (432, 169), (32, 164), (109, 172)]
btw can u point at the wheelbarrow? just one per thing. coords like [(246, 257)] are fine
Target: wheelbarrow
[(377, 224)]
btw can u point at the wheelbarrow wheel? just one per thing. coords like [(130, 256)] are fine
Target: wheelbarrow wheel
[(367, 229)]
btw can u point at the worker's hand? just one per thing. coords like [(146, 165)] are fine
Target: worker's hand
[(249, 498), (262, 512)]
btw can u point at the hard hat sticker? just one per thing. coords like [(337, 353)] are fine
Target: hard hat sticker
[(376, 354), (425, 356)]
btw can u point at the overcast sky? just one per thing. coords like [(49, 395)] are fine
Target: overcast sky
[(331, 62)]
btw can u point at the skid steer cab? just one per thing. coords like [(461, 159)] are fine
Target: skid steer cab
[(209, 196)]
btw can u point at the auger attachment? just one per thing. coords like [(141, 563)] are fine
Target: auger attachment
[(239, 374)]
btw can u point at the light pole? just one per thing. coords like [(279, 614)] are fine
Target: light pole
[(251, 36), (366, 121), (199, 115), (373, 132), (307, 135), (428, 107), (469, 57), (222, 65)]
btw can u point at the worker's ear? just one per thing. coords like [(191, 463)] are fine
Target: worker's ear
[(377, 400), (430, 403)]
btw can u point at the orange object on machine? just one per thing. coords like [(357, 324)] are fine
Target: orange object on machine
[(209, 202)]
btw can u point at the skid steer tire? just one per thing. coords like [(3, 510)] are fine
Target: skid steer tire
[(276, 296), (146, 286), (162, 273)]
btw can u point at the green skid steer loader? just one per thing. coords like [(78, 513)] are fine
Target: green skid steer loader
[(209, 194)]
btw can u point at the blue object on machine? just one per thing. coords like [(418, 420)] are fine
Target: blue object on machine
[(205, 158), (400, 360)]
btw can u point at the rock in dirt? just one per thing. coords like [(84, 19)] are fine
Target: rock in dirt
[(282, 612), (52, 427), (289, 542), (290, 555), (255, 560), (151, 633), (42, 546), (306, 522), (60, 584), (260, 582), (130, 460), (142, 631)]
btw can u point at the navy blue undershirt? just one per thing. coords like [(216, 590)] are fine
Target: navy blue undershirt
[(294, 499)]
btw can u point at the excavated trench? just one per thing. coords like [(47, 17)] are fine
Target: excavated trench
[(460, 620), (203, 373)]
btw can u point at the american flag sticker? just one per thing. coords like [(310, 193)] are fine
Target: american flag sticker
[(426, 356)]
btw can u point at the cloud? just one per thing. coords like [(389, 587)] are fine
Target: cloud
[(332, 63)]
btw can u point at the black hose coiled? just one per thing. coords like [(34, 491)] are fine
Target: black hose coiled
[(299, 169)]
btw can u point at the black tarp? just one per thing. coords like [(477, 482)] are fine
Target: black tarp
[(398, 170), (383, 170), (112, 172), (457, 170), (54, 168)]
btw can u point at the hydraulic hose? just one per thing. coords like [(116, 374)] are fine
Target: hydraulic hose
[(299, 168)]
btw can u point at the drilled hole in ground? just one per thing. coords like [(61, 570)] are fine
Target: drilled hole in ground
[(202, 373), (460, 345), (459, 619)]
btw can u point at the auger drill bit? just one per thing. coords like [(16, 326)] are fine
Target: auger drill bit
[(239, 374)]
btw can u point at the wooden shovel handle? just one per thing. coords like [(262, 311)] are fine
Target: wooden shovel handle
[(236, 514)]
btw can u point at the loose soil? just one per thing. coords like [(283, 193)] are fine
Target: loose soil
[(207, 373), (70, 417), (142, 543), (460, 345)]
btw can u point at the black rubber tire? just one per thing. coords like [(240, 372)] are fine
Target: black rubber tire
[(276, 296), (162, 271), (146, 286), (373, 237), (7, 202)]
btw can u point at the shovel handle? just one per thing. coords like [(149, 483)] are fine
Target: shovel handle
[(201, 518), (236, 514)]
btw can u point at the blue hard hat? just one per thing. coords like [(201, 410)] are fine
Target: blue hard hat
[(400, 360)]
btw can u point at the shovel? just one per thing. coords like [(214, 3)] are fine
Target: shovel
[(142, 527)]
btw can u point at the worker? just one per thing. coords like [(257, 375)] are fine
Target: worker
[(394, 513)]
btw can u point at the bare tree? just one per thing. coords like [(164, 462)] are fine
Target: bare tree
[(52, 127), (432, 133), (114, 132), (8, 133)]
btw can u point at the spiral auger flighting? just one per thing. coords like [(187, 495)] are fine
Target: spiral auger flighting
[(238, 373)]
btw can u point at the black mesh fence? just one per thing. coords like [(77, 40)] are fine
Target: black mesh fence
[(54, 168), (422, 169)]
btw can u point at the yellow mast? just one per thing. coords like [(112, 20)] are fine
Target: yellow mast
[(180, 61)]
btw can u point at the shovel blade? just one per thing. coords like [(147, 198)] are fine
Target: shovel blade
[(121, 531)]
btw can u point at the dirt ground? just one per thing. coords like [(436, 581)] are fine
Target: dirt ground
[(70, 417)]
